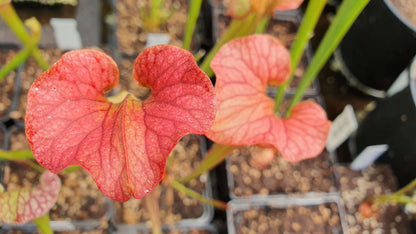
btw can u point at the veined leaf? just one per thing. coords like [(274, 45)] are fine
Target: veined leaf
[(124, 146), (244, 67)]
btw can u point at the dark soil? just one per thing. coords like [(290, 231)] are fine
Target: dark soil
[(7, 84), (356, 186), (320, 219), (281, 176), (283, 30), (130, 33), (174, 206), (18, 140)]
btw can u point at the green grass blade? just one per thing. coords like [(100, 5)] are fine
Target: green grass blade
[(313, 11), (345, 17), (193, 14), (43, 224), (215, 156), (191, 193)]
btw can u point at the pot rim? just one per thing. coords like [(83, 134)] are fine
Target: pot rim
[(399, 15)]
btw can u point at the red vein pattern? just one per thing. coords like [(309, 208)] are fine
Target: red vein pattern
[(123, 146), (25, 204), (243, 68)]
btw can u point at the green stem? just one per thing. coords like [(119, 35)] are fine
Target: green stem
[(151, 202), (155, 6), (347, 13), (43, 224), (313, 11), (262, 26), (237, 28), (401, 199), (22, 56), (9, 15), (409, 187), (193, 14), (191, 193), (215, 156), (16, 155), (24, 157)]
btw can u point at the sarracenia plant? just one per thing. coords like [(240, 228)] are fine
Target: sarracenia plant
[(245, 66), (76, 86), (124, 143)]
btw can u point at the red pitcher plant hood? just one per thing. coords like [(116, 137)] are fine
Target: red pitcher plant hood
[(245, 114), (124, 145)]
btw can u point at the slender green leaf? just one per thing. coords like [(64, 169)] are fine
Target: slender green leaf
[(215, 156), (313, 11), (22, 56), (11, 18), (16, 155), (345, 17), (407, 189), (43, 224), (193, 14), (191, 193), (262, 26)]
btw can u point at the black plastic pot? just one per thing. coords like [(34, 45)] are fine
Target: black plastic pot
[(379, 46), (393, 122)]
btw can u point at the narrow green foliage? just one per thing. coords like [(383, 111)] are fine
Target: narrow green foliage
[(43, 224), (24, 54), (345, 17), (193, 14), (215, 156), (191, 193), (262, 26), (11, 18), (312, 14)]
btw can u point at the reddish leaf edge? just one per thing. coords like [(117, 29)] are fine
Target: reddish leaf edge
[(296, 137), (123, 99), (27, 203)]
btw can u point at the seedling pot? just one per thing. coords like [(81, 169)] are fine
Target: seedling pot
[(357, 186), (379, 45), (393, 122), (281, 215)]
